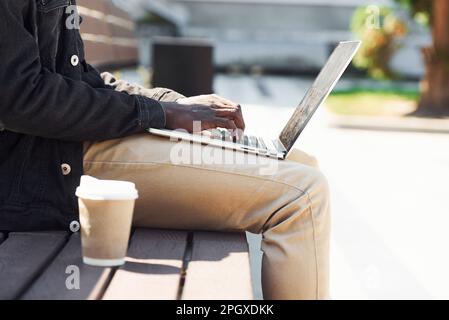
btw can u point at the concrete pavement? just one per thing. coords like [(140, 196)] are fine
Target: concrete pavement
[(389, 195)]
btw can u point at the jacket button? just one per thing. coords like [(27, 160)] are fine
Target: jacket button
[(66, 169), (74, 60), (74, 226)]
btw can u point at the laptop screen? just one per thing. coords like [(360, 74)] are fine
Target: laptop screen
[(320, 90)]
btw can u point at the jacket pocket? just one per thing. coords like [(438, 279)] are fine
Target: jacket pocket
[(50, 24), (49, 5)]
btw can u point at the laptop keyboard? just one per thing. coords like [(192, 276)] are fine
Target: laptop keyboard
[(246, 140)]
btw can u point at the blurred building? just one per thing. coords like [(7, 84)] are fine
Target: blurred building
[(108, 33), (289, 35)]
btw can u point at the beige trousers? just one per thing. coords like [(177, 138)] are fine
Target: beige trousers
[(285, 201)]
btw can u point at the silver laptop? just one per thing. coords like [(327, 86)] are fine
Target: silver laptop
[(280, 147)]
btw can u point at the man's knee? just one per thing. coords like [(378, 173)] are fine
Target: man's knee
[(306, 178), (300, 156), (319, 197), (320, 183), (315, 186)]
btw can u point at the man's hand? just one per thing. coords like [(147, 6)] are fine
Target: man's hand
[(211, 110)]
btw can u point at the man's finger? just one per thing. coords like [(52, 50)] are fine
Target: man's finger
[(226, 101), (225, 113), (239, 120), (217, 105), (234, 115), (225, 123)]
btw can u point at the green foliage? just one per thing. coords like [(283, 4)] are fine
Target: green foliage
[(153, 19), (391, 90), (379, 29), (421, 10), (373, 102)]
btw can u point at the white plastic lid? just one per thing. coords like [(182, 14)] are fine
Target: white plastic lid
[(95, 189)]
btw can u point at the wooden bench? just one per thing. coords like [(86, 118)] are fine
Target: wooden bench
[(165, 265)]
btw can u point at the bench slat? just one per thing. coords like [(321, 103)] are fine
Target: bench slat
[(22, 257), (2, 237), (153, 268), (64, 268), (219, 268)]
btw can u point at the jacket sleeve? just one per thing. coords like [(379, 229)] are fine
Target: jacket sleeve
[(161, 94), (93, 77), (38, 102)]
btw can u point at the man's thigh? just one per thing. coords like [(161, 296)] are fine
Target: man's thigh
[(185, 186)]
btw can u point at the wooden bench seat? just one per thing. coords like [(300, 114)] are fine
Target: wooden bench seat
[(161, 264)]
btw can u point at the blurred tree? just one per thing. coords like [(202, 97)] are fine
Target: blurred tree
[(381, 42), (378, 28), (152, 18), (435, 85)]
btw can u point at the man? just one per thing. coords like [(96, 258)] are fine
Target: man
[(52, 103)]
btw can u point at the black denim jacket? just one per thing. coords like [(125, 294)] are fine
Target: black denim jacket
[(51, 101)]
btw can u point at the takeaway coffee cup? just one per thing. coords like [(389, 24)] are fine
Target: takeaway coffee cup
[(106, 210)]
